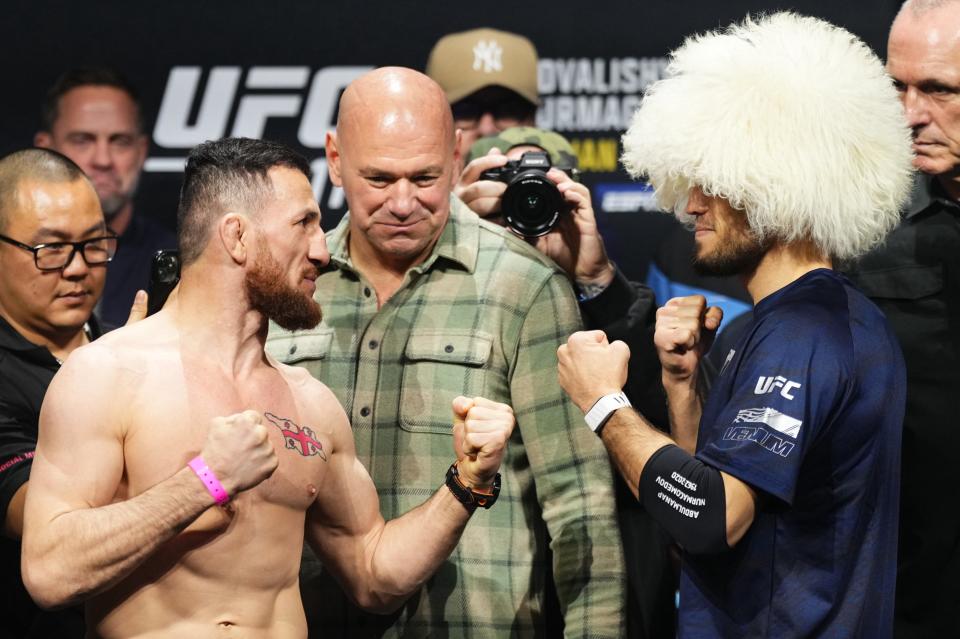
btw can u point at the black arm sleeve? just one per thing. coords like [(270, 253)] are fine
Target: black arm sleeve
[(687, 498), (627, 311)]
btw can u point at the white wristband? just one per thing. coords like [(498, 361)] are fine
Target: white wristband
[(597, 416)]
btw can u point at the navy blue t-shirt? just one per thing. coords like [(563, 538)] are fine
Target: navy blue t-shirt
[(808, 410)]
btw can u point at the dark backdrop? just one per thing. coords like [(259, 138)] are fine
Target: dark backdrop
[(275, 68)]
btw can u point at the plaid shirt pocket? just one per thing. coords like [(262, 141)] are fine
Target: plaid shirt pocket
[(292, 348), (440, 363)]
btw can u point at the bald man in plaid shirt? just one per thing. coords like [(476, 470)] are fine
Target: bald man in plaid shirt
[(422, 302)]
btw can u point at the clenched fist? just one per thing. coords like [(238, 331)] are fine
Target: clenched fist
[(591, 367), (481, 429), (684, 333), (239, 452)]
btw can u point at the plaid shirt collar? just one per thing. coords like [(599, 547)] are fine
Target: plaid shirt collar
[(459, 241)]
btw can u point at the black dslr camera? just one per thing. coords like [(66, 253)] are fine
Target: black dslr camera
[(532, 203)]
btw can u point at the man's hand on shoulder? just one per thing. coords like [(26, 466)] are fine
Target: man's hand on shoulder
[(481, 429), (482, 196), (239, 452)]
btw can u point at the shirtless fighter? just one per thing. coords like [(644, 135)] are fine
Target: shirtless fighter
[(116, 516)]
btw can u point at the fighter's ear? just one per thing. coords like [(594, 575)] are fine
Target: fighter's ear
[(333, 158), (235, 232), (43, 140)]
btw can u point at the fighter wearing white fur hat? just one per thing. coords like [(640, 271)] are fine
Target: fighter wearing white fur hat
[(782, 140)]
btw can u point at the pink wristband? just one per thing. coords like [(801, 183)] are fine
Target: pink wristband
[(210, 481)]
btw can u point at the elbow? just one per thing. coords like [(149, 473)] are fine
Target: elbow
[(47, 587), (737, 529), (379, 603), (45, 591)]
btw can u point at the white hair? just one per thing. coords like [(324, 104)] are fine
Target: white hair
[(792, 120)]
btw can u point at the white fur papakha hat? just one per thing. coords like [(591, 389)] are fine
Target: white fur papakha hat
[(791, 119)]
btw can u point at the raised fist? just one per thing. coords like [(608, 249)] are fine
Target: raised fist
[(481, 429), (684, 333), (591, 367), (239, 452)]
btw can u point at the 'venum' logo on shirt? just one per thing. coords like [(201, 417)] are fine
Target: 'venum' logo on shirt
[(772, 419)]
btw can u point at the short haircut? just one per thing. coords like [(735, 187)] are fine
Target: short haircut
[(83, 77), (792, 120), (225, 175), (37, 164)]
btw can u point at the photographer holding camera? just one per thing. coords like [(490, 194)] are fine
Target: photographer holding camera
[(527, 179)]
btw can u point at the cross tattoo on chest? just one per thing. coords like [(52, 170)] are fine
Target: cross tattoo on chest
[(298, 438)]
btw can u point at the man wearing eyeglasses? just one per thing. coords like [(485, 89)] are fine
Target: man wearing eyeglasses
[(54, 247), (93, 116)]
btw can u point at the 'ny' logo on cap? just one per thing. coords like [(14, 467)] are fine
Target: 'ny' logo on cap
[(487, 56)]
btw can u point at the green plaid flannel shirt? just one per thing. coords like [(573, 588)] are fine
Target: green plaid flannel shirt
[(483, 315)]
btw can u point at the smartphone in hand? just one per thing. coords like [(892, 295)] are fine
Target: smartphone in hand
[(164, 275)]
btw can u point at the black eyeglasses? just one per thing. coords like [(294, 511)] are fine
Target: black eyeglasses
[(54, 256)]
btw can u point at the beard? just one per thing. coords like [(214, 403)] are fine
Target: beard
[(269, 294), (737, 257), (113, 204)]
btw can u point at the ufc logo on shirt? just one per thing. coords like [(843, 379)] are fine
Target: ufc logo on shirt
[(769, 384)]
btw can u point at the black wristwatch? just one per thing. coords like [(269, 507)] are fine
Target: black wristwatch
[(468, 497)]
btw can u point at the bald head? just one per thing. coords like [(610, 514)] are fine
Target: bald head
[(921, 7), (394, 99), (37, 165)]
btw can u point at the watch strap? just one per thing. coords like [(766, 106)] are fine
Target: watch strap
[(469, 497), (604, 407)]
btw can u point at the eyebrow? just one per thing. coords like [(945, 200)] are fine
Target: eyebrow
[(370, 170), (44, 233)]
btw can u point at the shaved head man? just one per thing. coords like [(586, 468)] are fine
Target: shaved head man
[(180, 469), (54, 249), (915, 279), (94, 117), (423, 302), (394, 226)]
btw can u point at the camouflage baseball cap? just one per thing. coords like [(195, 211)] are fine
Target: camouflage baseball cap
[(465, 62), (561, 153)]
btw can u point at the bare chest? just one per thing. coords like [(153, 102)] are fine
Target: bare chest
[(172, 414)]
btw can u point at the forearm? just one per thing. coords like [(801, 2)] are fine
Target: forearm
[(631, 441), (83, 552), (684, 408), (409, 550)]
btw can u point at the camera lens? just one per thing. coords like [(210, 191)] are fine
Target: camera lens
[(531, 204)]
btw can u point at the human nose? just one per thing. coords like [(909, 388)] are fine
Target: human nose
[(102, 157), (487, 125), (697, 203), (319, 254), (76, 266), (915, 107), (402, 200)]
